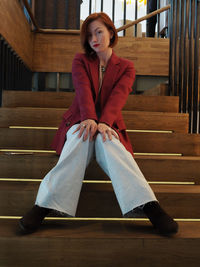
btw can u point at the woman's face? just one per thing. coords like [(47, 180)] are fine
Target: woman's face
[(99, 36)]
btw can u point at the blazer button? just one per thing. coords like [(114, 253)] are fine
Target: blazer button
[(68, 123)]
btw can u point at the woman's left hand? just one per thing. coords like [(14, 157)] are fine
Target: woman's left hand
[(88, 128), (104, 129)]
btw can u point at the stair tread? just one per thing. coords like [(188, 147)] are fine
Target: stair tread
[(98, 230)]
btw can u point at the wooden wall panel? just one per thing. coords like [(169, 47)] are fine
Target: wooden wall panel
[(16, 30), (55, 53), (150, 55)]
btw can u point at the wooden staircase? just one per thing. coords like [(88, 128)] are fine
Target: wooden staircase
[(168, 156)]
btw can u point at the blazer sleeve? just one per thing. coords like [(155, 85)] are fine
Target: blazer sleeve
[(83, 89), (118, 96)]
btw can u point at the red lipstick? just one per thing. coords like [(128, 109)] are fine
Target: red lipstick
[(96, 45)]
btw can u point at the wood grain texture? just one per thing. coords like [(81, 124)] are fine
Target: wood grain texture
[(16, 30), (54, 53), (98, 200), (99, 244), (186, 144), (64, 100), (154, 168), (176, 122)]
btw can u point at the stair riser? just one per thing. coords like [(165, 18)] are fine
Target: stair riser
[(134, 120), (17, 198), (185, 144), (96, 251), (36, 167), (64, 100)]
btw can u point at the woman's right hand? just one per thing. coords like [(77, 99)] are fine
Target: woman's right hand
[(88, 127)]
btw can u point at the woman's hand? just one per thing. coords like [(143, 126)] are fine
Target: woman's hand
[(89, 126), (105, 129)]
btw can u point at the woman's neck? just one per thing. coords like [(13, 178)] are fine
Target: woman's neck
[(105, 56)]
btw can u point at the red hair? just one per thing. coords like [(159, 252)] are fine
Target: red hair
[(105, 19)]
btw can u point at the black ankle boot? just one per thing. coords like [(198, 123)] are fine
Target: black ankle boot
[(33, 219), (160, 219)]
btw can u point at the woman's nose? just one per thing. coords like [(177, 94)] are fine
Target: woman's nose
[(94, 38)]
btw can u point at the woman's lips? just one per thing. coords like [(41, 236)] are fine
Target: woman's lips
[(96, 45)]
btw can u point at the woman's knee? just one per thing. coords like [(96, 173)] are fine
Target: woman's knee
[(99, 140)]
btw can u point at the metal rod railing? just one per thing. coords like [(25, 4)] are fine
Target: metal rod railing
[(175, 51), (196, 93), (144, 18), (124, 32), (158, 20), (14, 74), (113, 10), (171, 19), (61, 31), (180, 78), (101, 5), (190, 85), (184, 58), (136, 16), (90, 7), (184, 107)]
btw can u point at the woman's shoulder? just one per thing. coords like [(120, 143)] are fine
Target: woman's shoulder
[(82, 56), (79, 56), (124, 61), (79, 59)]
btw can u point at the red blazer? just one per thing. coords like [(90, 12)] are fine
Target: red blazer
[(116, 86)]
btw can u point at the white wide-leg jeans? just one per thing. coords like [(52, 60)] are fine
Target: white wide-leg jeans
[(60, 189)]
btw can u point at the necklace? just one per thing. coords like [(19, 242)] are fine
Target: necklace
[(103, 69)]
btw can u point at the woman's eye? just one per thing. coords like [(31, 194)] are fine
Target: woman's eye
[(99, 32)]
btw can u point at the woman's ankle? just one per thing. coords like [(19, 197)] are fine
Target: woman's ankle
[(163, 222)]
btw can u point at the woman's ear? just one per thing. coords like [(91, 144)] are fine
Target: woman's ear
[(111, 34)]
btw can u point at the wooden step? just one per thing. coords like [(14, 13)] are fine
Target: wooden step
[(176, 122), (98, 199), (64, 100), (40, 139), (155, 168), (161, 89), (186, 144), (98, 243), (174, 168)]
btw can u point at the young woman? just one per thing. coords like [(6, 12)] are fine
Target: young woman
[(94, 125)]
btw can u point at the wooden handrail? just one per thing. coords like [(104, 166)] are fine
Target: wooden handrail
[(62, 31), (26, 4), (77, 32), (158, 11)]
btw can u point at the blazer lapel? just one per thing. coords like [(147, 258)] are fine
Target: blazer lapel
[(94, 70), (111, 73)]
